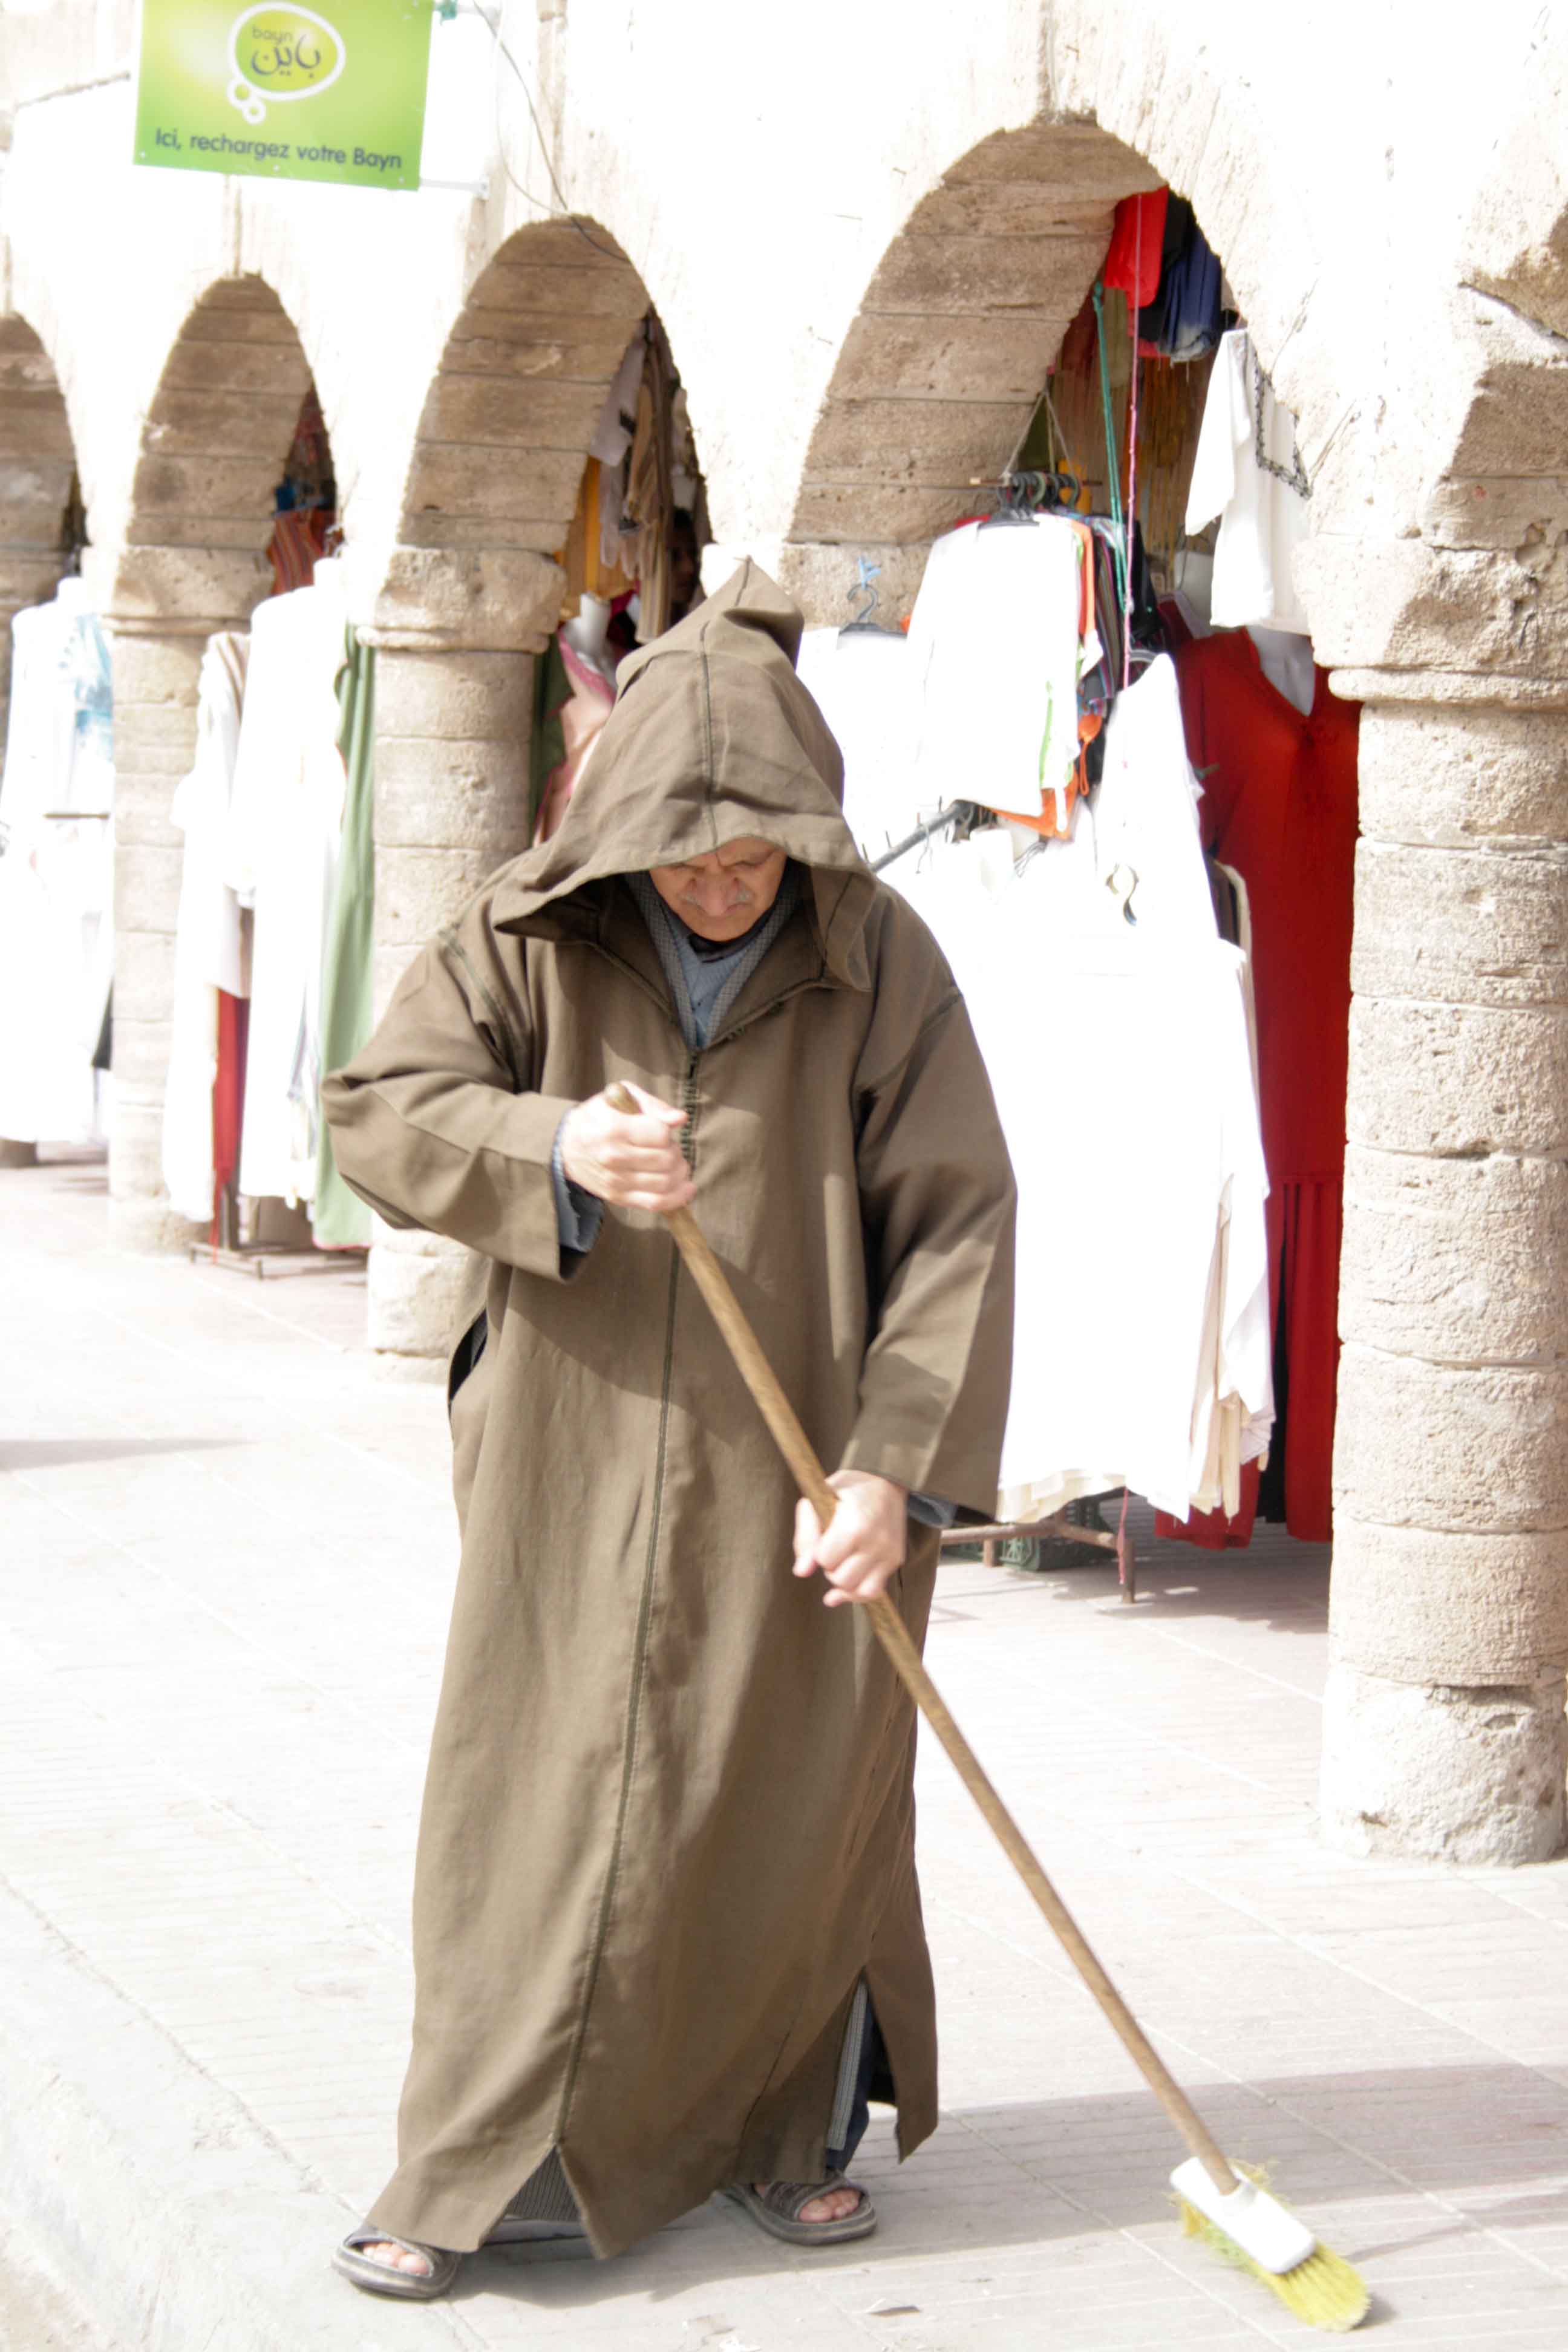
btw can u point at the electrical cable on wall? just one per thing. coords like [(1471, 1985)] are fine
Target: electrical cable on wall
[(493, 26)]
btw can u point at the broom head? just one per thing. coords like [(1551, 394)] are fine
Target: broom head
[(1253, 2231)]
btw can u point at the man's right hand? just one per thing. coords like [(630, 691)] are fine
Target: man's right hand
[(635, 1162)]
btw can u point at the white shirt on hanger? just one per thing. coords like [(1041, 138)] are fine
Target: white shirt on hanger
[(280, 858), (1262, 519), (996, 653), (212, 937)]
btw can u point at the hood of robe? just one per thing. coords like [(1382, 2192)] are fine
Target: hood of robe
[(713, 739)]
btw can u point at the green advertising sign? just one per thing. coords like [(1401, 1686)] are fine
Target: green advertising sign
[(286, 93)]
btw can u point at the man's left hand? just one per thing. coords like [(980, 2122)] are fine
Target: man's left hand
[(863, 1546)]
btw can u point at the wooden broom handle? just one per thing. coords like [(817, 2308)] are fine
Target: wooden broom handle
[(891, 1631)]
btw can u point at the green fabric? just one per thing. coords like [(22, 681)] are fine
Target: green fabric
[(339, 1219), (547, 749)]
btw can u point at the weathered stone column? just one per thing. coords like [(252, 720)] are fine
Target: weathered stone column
[(156, 646), (455, 638), (1445, 1729)]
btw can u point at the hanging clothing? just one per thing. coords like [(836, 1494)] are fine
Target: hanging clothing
[(1279, 805), (280, 858), (1248, 472), (1142, 1351), (580, 716), (666, 1783), (298, 544), (1306, 1225), (583, 557), (651, 485), (1136, 243), (339, 1218), (610, 446), (1183, 320), (212, 932), (1002, 632), (56, 873), (861, 680), (228, 1089), (1141, 1308), (1144, 817)]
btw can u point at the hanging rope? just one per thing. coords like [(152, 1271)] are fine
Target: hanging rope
[(1112, 468)]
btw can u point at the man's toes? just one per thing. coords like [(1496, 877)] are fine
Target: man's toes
[(833, 2205), (397, 2257)]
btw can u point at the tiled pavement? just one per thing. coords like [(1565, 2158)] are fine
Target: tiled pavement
[(225, 1554)]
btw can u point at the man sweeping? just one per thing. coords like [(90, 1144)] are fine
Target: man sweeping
[(668, 1931)]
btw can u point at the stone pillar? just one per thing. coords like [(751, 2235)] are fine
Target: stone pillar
[(1444, 1730), (453, 737), (156, 647)]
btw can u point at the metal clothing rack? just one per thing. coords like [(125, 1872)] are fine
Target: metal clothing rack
[(230, 1249), (1057, 1527)]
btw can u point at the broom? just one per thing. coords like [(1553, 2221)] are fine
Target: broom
[(1232, 2212)]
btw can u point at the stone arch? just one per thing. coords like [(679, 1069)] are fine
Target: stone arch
[(213, 443), (941, 367), (502, 441), (471, 596), (212, 446), (38, 484)]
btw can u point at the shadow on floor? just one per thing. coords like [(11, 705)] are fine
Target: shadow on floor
[(1332, 2140), (66, 1452)]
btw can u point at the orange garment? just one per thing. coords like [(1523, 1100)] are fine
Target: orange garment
[(1279, 805), (581, 559)]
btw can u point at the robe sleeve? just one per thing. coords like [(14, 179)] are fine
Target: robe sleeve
[(434, 1124), (937, 1206)]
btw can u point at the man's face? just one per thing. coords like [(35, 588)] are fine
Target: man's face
[(723, 893)]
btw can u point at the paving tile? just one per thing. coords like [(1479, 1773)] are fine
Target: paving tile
[(226, 1558)]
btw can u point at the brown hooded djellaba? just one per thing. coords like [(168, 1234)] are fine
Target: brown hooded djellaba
[(668, 1822)]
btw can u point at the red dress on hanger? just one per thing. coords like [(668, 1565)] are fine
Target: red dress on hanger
[(1279, 805)]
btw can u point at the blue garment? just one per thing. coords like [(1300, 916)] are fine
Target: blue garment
[(1184, 320)]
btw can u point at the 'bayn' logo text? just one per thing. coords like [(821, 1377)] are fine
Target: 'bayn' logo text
[(279, 54)]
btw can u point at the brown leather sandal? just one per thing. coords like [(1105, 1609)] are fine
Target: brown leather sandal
[(778, 2210)]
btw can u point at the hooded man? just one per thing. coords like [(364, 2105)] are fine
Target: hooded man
[(668, 1931)]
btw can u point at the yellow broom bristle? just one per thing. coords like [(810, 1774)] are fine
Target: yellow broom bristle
[(1323, 2291)]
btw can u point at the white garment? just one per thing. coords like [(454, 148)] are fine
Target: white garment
[(56, 874), (1262, 520), (1118, 1059), (996, 655), (862, 681), (1144, 813), (280, 857), (212, 937)]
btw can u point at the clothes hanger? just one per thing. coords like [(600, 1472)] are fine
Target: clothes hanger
[(863, 625), (1025, 496)]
